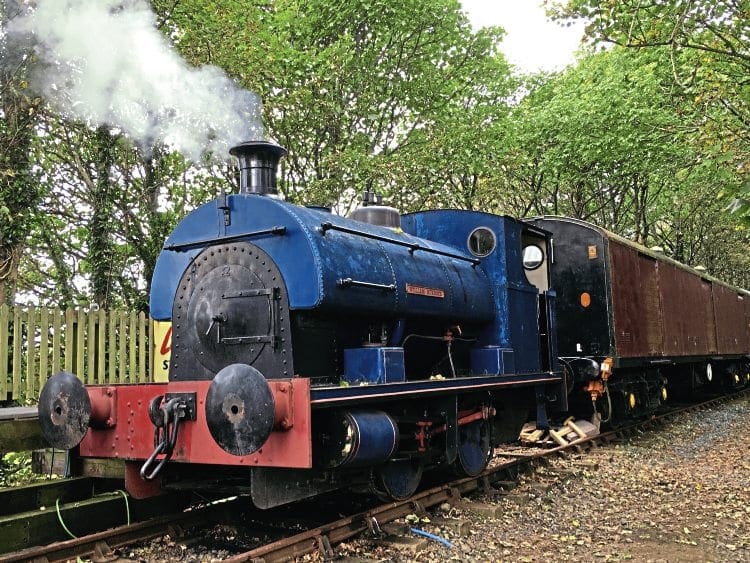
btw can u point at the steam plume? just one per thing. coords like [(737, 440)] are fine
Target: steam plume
[(105, 62)]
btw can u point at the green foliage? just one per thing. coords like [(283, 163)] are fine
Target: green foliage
[(364, 93), (708, 63), (108, 209), (403, 97), (15, 470), (597, 141), (612, 141), (19, 190), (397, 96), (741, 203), (368, 87)]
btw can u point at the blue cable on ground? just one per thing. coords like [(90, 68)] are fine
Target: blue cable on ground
[(419, 532)]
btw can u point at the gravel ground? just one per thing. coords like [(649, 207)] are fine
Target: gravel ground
[(681, 493), (678, 494)]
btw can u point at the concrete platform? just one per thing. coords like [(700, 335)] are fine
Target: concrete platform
[(19, 430), (18, 413)]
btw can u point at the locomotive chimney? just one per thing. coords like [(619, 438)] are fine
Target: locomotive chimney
[(258, 162)]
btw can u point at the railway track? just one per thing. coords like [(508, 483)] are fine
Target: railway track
[(323, 537), (52, 511)]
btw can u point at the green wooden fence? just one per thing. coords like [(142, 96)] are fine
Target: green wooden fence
[(98, 346)]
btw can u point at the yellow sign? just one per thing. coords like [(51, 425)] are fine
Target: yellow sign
[(592, 252), (162, 339)]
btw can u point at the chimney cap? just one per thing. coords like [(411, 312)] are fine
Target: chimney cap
[(255, 146)]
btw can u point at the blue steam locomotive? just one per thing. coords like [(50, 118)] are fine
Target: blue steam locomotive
[(312, 352)]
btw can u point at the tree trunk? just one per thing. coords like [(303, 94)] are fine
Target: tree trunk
[(101, 251)]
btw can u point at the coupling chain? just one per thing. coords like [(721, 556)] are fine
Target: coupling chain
[(166, 420)]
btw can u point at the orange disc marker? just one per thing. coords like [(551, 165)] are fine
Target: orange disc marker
[(585, 299)]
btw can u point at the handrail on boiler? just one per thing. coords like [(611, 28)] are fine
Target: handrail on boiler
[(412, 246)]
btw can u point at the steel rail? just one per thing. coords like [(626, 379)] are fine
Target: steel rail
[(104, 542)]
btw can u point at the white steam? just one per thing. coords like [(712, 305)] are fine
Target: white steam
[(105, 62)]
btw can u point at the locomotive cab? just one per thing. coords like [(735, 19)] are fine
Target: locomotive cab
[(514, 256), (535, 252)]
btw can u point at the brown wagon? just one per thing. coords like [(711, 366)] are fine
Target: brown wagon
[(634, 325)]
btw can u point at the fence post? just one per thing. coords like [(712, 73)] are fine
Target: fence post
[(101, 348), (132, 339), (30, 350), (111, 349), (91, 347), (4, 356), (56, 339), (122, 337), (17, 358), (69, 334), (142, 348), (80, 344), (43, 346)]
